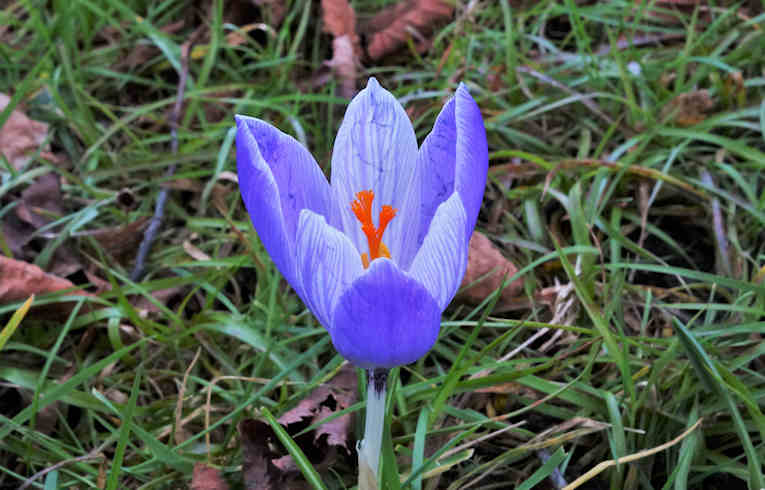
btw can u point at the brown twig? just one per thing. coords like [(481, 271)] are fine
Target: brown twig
[(94, 454), (159, 209)]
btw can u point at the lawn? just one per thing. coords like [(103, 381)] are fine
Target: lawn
[(608, 333)]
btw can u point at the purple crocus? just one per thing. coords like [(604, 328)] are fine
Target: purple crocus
[(379, 253)]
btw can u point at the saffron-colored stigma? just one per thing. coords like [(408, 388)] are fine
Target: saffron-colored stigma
[(362, 208)]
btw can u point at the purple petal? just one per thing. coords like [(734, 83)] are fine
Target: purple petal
[(385, 318), (327, 264), (375, 149), (440, 263), (301, 183), (454, 156)]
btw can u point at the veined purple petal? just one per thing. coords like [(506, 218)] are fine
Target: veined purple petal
[(441, 261), (299, 179), (375, 149), (327, 264), (261, 197), (454, 156), (385, 318)]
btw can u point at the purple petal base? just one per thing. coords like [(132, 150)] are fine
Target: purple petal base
[(385, 318)]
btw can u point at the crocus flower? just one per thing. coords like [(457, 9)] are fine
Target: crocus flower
[(378, 254)]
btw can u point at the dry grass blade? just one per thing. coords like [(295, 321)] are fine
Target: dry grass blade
[(628, 459)]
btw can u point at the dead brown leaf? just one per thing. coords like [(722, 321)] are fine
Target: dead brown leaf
[(326, 399), (258, 470), (392, 27), (121, 242), (344, 64), (22, 279), (20, 136), (340, 21), (41, 202), (339, 18), (484, 259), (689, 108), (207, 478)]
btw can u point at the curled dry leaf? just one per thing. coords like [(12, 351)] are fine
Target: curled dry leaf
[(344, 63), (20, 136), (340, 21), (207, 478), (484, 259), (689, 108), (22, 279), (392, 27), (338, 394)]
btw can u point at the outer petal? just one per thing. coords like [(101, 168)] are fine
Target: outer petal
[(375, 149), (385, 318), (454, 156), (261, 147), (441, 261), (327, 264)]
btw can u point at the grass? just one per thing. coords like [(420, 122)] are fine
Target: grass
[(647, 216)]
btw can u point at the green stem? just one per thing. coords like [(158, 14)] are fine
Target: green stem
[(369, 447)]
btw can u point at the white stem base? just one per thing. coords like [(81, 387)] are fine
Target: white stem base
[(369, 447)]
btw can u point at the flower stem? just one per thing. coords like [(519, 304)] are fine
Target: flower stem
[(369, 447)]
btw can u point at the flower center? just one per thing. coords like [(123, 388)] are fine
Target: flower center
[(362, 208)]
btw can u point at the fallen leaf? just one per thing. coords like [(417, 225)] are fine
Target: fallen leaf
[(41, 202), (339, 18), (343, 64), (392, 27), (121, 242), (20, 136), (340, 21), (689, 108), (207, 478), (484, 259), (22, 279), (336, 395), (258, 470)]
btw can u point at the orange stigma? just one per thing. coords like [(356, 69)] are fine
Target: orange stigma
[(362, 208)]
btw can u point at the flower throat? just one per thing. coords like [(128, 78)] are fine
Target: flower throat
[(362, 208)]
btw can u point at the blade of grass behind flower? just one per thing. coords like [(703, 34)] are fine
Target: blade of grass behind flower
[(707, 372), (126, 418)]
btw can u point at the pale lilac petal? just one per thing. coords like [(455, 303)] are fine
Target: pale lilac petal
[(454, 156), (261, 198), (441, 261), (375, 149), (327, 264), (385, 318), (299, 179)]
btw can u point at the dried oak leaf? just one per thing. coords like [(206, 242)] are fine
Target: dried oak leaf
[(484, 259), (20, 136), (207, 478), (21, 279), (392, 27), (689, 108)]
